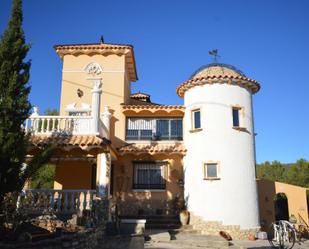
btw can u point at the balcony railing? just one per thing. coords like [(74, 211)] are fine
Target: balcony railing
[(154, 129), (58, 200), (59, 124)]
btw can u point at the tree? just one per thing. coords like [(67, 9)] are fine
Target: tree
[(274, 171), (298, 173), (294, 173), (15, 107), (45, 176)]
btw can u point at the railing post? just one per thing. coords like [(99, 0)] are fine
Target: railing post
[(58, 125), (26, 125), (53, 124), (85, 200), (72, 200), (78, 200), (34, 120), (47, 126), (52, 200), (59, 196), (90, 199), (65, 204)]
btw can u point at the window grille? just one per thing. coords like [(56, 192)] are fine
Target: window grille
[(149, 175), (154, 129)]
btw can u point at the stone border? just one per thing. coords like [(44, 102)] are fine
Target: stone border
[(214, 227)]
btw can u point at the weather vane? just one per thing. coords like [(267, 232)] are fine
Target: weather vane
[(214, 53)]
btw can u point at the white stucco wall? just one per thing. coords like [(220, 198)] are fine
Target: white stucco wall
[(232, 199)]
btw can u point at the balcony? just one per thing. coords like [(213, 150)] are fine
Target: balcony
[(68, 125), (60, 124), (154, 129)]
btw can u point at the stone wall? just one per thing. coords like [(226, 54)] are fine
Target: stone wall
[(214, 227), (85, 240)]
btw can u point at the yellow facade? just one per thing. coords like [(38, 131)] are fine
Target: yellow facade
[(115, 87), (159, 199), (296, 198), (74, 175), (118, 71)]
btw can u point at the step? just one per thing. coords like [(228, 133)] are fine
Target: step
[(192, 241), (160, 236), (151, 217), (169, 221), (185, 230), (157, 221), (203, 241), (162, 226)]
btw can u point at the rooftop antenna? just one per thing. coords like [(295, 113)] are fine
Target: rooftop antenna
[(215, 55), (101, 39)]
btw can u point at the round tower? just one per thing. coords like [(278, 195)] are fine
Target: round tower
[(219, 167)]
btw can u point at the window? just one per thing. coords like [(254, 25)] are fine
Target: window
[(154, 129), (235, 112), (211, 171), (149, 175), (162, 128), (176, 129), (196, 119)]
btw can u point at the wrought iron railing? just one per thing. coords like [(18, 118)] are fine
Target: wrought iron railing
[(154, 129)]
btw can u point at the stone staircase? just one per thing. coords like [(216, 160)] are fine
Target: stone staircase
[(161, 222), (180, 240), (165, 231)]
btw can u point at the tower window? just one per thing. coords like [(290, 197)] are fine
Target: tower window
[(235, 112), (211, 171), (196, 119)]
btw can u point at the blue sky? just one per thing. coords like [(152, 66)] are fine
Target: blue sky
[(266, 39)]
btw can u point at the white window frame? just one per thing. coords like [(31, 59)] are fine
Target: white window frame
[(193, 127), (240, 126), (205, 165)]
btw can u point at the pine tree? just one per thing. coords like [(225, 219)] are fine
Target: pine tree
[(15, 106)]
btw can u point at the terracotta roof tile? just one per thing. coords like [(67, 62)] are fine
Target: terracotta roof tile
[(93, 45), (74, 140), (153, 148), (157, 107), (139, 95), (242, 81)]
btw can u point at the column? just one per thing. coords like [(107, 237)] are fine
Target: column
[(96, 101), (103, 174), (106, 116)]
